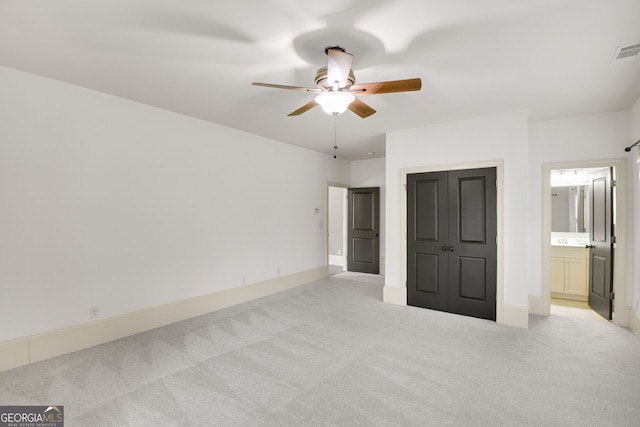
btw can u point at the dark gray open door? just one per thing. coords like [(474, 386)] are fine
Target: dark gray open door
[(364, 230), (601, 243), (451, 241)]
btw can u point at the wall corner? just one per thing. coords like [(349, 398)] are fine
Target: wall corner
[(634, 323), (539, 305), (394, 295), (513, 315)]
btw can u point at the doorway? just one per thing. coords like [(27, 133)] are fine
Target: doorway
[(353, 229), (570, 265), (337, 228), (574, 214)]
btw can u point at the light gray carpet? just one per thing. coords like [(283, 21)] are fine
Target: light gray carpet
[(331, 353), (335, 269)]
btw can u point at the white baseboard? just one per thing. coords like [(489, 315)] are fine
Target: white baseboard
[(26, 350), (562, 295), (394, 295), (634, 323), (337, 260), (14, 353), (514, 315), (539, 305), (511, 315)]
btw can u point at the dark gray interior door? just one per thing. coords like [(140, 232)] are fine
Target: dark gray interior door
[(601, 243), (472, 242), (428, 240), (364, 230), (451, 241)]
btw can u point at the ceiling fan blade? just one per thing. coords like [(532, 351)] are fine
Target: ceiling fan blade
[(361, 109), (303, 109), (407, 85), (304, 89), (338, 67)]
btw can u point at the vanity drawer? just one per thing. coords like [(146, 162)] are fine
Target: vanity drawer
[(569, 252)]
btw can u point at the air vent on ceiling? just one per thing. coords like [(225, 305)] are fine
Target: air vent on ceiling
[(627, 53)]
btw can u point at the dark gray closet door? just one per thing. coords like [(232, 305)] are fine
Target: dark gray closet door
[(451, 241)]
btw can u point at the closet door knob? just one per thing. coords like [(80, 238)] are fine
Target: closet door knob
[(444, 248), (451, 249)]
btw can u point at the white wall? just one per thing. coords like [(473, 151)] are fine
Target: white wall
[(634, 157), (337, 201), (497, 137), (587, 138), (112, 203), (368, 173), (372, 173)]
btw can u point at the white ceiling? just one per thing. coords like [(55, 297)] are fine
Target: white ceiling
[(198, 58)]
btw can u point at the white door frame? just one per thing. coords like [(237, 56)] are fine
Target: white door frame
[(344, 224), (621, 312), (504, 314)]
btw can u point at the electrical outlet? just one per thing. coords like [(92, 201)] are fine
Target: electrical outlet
[(244, 280), (94, 312), (278, 271)]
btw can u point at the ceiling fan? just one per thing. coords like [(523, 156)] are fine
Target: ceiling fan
[(337, 90)]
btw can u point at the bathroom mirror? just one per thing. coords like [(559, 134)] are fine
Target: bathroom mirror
[(569, 209)]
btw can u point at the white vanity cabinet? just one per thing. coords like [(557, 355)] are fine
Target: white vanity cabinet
[(570, 272)]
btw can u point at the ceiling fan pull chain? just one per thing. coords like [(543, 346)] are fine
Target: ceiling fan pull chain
[(335, 135)]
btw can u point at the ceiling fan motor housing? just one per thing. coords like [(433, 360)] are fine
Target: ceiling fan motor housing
[(321, 79)]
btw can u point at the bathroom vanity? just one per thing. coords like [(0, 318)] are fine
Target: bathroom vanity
[(570, 266)]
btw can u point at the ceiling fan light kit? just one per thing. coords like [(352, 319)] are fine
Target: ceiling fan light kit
[(337, 88), (335, 103)]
